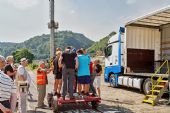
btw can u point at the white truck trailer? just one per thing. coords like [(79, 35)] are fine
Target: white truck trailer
[(133, 55)]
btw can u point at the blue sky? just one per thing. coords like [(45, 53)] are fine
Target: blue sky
[(23, 19)]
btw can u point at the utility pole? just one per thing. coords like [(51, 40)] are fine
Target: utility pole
[(52, 25)]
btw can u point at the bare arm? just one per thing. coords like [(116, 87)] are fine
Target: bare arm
[(60, 62), (13, 101), (77, 63), (49, 70), (4, 109), (99, 73)]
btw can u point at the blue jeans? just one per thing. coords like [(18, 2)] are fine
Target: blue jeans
[(92, 77), (67, 79)]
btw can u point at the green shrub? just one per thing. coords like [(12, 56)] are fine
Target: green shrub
[(33, 66)]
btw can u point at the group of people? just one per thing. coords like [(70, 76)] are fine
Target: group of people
[(75, 72), (9, 77)]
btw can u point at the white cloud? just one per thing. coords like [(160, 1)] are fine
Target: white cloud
[(23, 4), (130, 1)]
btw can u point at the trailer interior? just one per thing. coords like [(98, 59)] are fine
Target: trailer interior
[(148, 42)]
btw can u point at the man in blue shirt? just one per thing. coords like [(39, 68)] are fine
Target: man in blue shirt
[(83, 72)]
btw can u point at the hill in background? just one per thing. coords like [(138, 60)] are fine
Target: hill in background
[(101, 44), (39, 45)]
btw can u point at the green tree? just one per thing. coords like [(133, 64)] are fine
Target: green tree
[(23, 53), (40, 45), (100, 45)]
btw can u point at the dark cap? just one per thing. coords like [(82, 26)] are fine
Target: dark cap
[(80, 51), (8, 68), (69, 47)]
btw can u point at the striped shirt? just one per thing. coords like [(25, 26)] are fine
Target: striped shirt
[(7, 87)]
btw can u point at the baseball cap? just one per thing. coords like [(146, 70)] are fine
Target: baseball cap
[(41, 62), (23, 59), (74, 50)]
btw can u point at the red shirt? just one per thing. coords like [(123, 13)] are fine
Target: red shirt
[(91, 67)]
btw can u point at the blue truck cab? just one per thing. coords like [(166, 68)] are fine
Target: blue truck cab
[(113, 58)]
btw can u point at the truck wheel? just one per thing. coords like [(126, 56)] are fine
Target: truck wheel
[(55, 105), (147, 86), (112, 80)]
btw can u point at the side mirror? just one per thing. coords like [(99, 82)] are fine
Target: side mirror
[(122, 30)]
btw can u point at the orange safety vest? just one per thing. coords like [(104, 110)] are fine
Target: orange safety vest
[(41, 77)]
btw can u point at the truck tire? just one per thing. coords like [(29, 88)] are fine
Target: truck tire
[(112, 81), (147, 86)]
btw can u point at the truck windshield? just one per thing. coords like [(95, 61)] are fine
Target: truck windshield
[(108, 51)]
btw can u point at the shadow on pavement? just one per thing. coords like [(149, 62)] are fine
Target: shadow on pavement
[(33, 111), (30, 97), (32, 100), (113, 109), (120, 102), (80, 108)]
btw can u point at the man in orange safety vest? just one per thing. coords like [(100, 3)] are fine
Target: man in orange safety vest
[(41, 83)]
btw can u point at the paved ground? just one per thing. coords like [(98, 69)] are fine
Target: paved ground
[(122, 99), (32, 101)]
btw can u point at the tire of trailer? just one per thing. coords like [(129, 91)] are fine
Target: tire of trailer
[(55, 105), (112, 80), (147, 86)]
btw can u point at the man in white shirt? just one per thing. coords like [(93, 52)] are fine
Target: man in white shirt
[(7, 89), (23, 76)]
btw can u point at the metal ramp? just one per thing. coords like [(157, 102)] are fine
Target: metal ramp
[(159, 86)]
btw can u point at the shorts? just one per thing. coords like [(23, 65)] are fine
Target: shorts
[(58, 76), (5, 104), (84, 79), (97, 82)]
